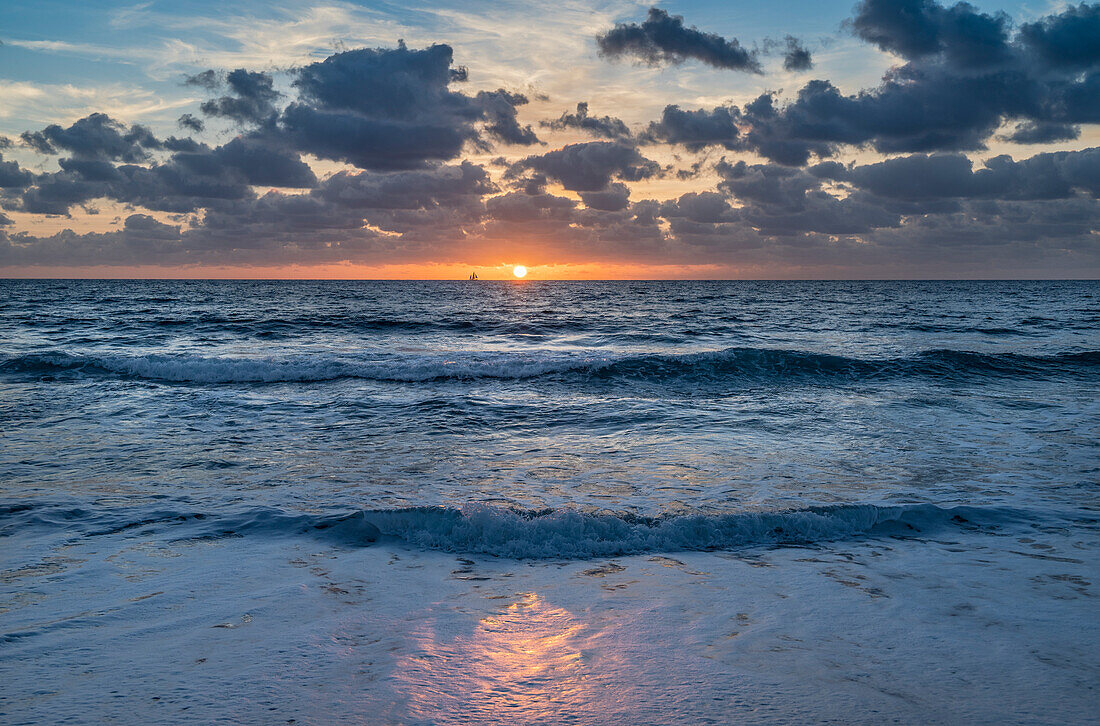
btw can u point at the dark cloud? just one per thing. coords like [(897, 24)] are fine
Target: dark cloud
[(829, 170), (251, 98), (360, 215), (380, 109), (90, 170), (173, 143), (769, 184), (768, 215), (697, 129), (925, 192), (97, 136), (534, 184), (777, 136), (557, 226), (392, 109), (384, 83), (591, 166), (915, 109), (531, 208), (353, 215), (12, 176), (55, 193), (376, 108), (442, 187), (499, 110), (149, 228), (795, 55), (192, 177), (613, 199), (694, 170), (373, 143), (191, 123), (208, 79), (779, 200), (141, 236), (1069, 39), (607, 127), (188, 181), (663, 38), (988, 237), (265, 164), (918, 28), (938, 189), (1057, 175), (965, 76), (708, 207), (1042, 132)]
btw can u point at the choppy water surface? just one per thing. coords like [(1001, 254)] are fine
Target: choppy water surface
[(539, 421), (647, 397)]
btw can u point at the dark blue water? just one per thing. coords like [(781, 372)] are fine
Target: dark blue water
[(627, 399)]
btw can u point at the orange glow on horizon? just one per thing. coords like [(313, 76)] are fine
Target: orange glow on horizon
[(422, 271)]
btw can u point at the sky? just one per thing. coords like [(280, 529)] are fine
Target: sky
[(800, 139)]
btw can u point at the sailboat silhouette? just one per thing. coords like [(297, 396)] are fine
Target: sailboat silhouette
[(473, 275)]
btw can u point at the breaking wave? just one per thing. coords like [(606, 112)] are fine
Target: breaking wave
[(758, 364), (546, 534)]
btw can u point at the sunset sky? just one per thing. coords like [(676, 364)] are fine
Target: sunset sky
[(583, 140)]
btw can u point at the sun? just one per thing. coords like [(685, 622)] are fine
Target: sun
[(519, 271)]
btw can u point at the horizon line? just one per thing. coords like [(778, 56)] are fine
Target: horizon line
[(551, 279)]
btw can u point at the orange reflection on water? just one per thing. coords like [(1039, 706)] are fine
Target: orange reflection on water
[(521, 665)]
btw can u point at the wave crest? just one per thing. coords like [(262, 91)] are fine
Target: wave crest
[(547, 534), (755, 364)]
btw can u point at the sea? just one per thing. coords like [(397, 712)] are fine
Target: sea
[(535, 502)]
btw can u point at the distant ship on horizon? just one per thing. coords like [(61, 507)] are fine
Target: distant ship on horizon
[(473, 275)]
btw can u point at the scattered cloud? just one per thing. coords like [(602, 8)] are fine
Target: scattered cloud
[(663, 39), (607, 127)]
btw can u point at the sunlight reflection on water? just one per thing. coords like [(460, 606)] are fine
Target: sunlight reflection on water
[(523, 664)]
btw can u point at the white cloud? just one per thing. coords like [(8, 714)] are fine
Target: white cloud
[(44, 103)]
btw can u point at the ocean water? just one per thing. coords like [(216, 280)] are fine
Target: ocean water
[(549, 502)]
